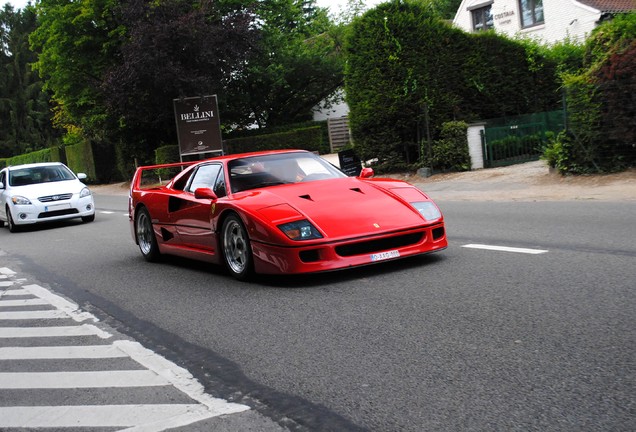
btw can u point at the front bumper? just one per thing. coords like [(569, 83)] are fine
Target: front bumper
[(273, 259), (38, 212)]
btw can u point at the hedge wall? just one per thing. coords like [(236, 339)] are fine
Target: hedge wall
[(79, 158), (310, 138), (408, 69)]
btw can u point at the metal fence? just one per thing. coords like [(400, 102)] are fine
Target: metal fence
[(512, 140)]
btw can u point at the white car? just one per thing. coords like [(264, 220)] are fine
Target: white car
[(43, 192)]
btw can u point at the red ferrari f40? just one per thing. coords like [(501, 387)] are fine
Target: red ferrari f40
[(279, 212)]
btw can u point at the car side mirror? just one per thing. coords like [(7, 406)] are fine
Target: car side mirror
[(366, 173), (82, 176), (205, 193)]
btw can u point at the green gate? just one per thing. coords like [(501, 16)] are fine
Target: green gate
[(519, 139)]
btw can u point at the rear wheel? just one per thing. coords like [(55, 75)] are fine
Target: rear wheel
[(145, 236), (237, 252)]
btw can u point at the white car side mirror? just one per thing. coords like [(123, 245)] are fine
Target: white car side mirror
[(82, 176)]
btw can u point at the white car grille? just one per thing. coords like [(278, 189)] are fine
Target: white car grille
[(52, 198)]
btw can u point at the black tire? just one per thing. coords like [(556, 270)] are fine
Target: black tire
[(145, 236), (237, 250), (12, 226), (90, 218)]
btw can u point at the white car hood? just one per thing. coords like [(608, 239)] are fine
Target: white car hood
[(46, 189)]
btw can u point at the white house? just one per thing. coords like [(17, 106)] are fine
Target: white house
[(545, 20)]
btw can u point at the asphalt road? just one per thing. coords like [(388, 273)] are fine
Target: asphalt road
[(465, 339)]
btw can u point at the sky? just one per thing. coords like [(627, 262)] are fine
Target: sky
[(333, 5)]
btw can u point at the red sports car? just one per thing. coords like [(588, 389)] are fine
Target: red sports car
[(279, 212)]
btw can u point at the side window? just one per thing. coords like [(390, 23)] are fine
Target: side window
[(219, 185), (205, 176), (3, 179)]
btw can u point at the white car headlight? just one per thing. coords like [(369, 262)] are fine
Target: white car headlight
[(427, 209), (85, 192), (20, 200)]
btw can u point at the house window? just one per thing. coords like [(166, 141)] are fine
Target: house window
[(482, 18), (531, 12)]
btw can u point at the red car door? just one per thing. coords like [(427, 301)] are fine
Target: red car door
[(192, 216)]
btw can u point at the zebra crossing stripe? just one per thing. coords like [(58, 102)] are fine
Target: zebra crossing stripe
[(70, 308), (13, 292), (29, 315), (82, 379), (61, 352), (59, 331), (23, 302), (163, 416)]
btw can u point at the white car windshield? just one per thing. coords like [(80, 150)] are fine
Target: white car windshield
[(41, 174)]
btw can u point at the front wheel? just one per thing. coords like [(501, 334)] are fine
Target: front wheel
[(145, 236), (90, 218), (12, 226), (237, 252)]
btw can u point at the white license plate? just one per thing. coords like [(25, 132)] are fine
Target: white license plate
[(54, 207), (385, 255)]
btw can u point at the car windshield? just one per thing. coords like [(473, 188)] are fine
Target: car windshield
[(275, 169), (40, 174)]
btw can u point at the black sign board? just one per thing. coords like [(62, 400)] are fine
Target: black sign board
[(350, 163), (198, 125)]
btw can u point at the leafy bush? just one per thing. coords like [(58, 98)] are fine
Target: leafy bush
[(450, 152), (556, 152), (601, 101)]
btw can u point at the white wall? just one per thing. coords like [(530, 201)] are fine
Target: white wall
[(337, 110), (475, 149), (563, 19)]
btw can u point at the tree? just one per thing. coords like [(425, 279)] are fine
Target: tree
[(172, 49), (296, 64), (24, 111)]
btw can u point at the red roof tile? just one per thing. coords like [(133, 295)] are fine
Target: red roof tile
[(611, 5)]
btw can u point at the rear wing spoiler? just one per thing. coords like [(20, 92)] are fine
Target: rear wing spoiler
[(154, 173)]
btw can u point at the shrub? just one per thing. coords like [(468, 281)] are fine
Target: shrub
[(450, 152)]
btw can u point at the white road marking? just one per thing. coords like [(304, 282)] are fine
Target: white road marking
[(505, 249), (70, 308), (106, 212), (179, 377), (167, 415), (83, 379), (60, 331), (158, 372), (61, 352), (29, 315), (6, 271), (6, 284), (23, 302), (14, 292)]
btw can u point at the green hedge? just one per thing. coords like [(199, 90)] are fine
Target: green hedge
[(45, 155), (310, 138), (408, 69), (78, 157)]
